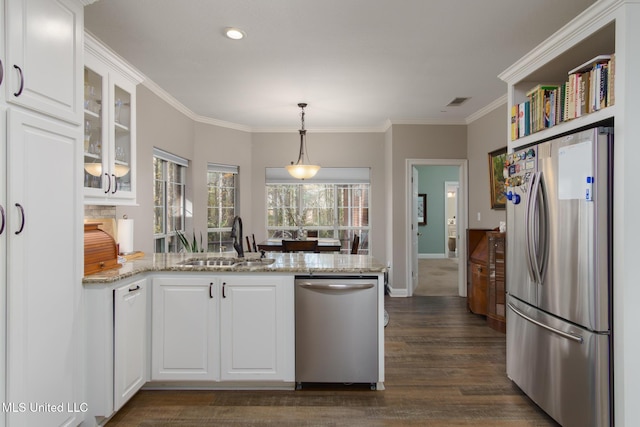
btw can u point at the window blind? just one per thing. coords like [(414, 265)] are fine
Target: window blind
[(165, 155)]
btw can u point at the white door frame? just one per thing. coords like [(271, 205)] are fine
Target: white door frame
[(462, 221)]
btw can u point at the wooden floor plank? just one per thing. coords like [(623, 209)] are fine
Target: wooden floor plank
[(444, 367)]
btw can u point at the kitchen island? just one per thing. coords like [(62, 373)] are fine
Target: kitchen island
[(204, 321)]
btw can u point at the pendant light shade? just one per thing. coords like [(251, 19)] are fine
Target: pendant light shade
[(302, 169)]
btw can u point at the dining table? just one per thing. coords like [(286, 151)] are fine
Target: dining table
[(324, 244)]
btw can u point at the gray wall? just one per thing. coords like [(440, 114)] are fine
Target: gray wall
[(162, 126), (415, 142), (431, 181), (486, 134)]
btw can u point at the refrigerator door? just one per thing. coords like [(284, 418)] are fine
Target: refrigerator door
[(520, 277), (560, 366), (575, 283)]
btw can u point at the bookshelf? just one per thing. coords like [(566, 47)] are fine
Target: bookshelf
[(586, 37), (606, 27)]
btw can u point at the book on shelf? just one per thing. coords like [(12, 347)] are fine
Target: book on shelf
[(514, 122), (523, 119), (541, 98)]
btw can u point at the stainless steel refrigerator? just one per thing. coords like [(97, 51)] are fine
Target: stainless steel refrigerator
[(559, 276)]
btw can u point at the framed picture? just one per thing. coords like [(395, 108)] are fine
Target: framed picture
[(496, 178), (422, 209)]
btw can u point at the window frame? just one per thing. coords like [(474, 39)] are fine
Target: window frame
[(221, 243), (166, 241), (344, 233)]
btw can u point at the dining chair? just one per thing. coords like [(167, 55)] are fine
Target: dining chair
[(355, 244), (299, 246), (312, 233)]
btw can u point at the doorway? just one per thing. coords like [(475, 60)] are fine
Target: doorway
[(461, 220)]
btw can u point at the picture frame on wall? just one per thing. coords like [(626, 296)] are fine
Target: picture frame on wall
[(497, 160), (422, 209)]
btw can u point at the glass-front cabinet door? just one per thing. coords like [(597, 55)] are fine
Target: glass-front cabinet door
[(122, 153), (95, 165), (109, 128)]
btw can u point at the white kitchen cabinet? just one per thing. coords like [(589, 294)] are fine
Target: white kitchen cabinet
[(130, 339), (44, 56), (109, 163), (185, 329), (117, 337), (3, 64), (257, 328), (41, 353), (44, 269)]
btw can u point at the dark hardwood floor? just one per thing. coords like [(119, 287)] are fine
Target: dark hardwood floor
[(444, 367)]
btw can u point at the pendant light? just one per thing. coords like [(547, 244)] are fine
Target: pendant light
[(302, 169)]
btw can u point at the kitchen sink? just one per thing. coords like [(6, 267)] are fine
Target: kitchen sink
[(209, 262), (228, 262), (256, 262)]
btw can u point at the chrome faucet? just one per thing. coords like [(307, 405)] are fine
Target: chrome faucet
[(237, 238)]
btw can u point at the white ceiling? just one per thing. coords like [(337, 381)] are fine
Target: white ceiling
[(358, 63)]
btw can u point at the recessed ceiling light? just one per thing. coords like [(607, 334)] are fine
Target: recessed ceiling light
[(234, 33)]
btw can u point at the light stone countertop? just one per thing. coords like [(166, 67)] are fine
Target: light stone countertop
[(300, 263)]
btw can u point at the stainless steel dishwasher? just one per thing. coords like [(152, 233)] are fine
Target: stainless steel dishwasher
[(336, 329)]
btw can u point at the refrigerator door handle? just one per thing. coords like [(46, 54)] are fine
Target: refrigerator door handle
[(538, 247), (527, 228), (569, 336)]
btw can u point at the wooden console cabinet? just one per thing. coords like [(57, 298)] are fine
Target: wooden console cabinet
[(486, 275), (496, 285), (477, 270)]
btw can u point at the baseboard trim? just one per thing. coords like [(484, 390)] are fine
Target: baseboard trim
[(398, 292), (432, 256)]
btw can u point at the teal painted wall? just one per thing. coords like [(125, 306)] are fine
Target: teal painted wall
[(431, 181)]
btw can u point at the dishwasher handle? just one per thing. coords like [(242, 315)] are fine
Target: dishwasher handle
[(336, 286)]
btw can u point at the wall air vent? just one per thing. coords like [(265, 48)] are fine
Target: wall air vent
[(456, 102)]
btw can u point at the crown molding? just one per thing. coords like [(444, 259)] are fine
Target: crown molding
[(487, 109), (576, 30)]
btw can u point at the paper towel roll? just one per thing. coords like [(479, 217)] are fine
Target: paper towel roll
[(125, 235)]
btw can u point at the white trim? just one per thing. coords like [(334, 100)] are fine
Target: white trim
[(487, 109), (217, 167), (111, 59), (170, 157), (432, 256), (462, 221), (398, 293), (578, 29)]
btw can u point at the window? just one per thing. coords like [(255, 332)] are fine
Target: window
[(335, 209), (169, 173), (222, 183)]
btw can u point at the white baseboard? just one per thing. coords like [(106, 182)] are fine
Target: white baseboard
[(431, 256), (398, 292)]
